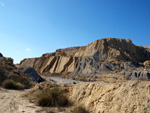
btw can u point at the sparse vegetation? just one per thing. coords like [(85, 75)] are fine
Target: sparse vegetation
[(80, 109), (53, 97), (10, 84), (9, 73), (147, 109), (16, 72), (31, 84), (50, 112), (20, 86)]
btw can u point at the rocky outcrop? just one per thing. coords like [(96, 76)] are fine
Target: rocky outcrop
[(51, 64), (101, 97), (1, 55), (30, 73), (8, 71), (103, 55), (67, 51), (112, 48), (142, 75)]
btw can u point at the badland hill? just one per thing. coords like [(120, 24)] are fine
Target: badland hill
[(103, 59), (8, 71), (109, 55)]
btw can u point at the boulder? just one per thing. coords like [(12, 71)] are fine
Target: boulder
[(30, 72)]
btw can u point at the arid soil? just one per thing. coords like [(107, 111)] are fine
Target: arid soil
[(132, 96), (11, 101)]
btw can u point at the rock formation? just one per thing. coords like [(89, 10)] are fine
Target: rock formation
[(1, 55), (9, 71), (105, 55), (29, 72)]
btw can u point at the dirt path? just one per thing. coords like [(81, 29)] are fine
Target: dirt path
[(60, 80), (11, 101)]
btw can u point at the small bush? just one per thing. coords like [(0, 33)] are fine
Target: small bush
[(30, 84), (10, 84), (80, 109), (50, 112), (19, 86), (16, 72), (53, 97)]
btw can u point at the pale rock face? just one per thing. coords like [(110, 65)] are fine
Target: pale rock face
[(28, 62), (108, 54), (61, 64), (100, 97)]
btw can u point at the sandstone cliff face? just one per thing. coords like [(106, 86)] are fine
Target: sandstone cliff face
[(112, 48), (100, 97), (52, 64), (103, 55)]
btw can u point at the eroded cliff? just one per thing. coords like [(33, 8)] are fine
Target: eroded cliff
[(105, 55)]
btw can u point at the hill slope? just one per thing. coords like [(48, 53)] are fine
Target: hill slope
[(101, 56), (8, 71)]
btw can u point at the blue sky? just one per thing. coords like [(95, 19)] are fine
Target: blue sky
[(30, 28)]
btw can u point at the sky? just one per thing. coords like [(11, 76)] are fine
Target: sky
[(30, 28)]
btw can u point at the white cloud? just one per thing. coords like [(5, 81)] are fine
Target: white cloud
[(28, 49)]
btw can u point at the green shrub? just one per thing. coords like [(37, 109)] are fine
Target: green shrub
[(53, 97), (80, 109), (10, 84)]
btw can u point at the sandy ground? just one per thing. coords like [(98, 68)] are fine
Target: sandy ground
[(60, 80), (11, 101)]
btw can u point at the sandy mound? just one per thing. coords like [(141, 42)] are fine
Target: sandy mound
[(97, 97), (100, 97)]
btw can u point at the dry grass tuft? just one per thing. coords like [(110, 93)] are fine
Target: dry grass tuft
[(50, 112), (10, 84), (80, 109), (53, 97)]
